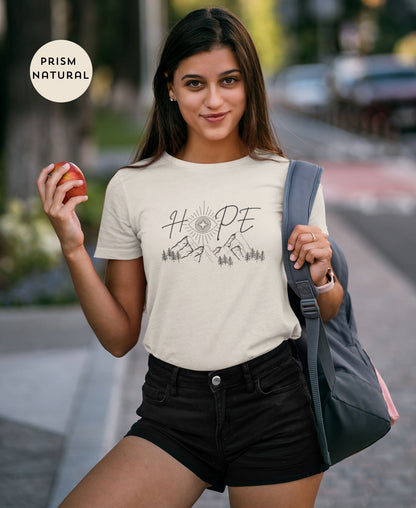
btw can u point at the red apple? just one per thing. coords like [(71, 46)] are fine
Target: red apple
[(73, 173)]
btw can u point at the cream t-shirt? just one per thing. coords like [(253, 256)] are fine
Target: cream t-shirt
[(210, 237)]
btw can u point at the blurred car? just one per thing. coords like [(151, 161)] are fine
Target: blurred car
[(302, 87), (375, 91)]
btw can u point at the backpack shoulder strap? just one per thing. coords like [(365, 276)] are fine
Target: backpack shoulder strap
[(301, 185), (302, 182)]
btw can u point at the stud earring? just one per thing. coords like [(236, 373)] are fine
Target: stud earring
[(171, 99)]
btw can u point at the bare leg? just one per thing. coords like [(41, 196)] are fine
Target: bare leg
[(296, 494), (136, 473)]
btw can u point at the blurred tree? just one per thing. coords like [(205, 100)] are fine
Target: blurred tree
[(312, 27), (3, 102), (77, 116), (39, 131), (28, 115), (263, 25), (179, 8), (311, 36), (118, 49), (261, 19), (406, 46), (395, 19), (153, 29)]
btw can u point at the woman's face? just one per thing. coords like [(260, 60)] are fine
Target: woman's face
[(211, 96)]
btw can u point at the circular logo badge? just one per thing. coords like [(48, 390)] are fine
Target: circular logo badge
[(61, 71)]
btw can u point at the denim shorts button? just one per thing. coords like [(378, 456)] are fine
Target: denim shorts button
[(216, 380)]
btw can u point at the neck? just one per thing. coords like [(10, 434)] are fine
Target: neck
[(214, 152)]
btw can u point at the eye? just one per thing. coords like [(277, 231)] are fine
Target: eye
[(193, 84), (229, 80)]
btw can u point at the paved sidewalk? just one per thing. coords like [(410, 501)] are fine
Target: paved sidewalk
[(64, 401)]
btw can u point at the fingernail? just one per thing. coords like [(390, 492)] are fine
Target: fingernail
[(292, 257), (66, 166), (51, 166), (289, 246), (297, 265)]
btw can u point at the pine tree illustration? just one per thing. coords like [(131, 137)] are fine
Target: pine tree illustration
[(247, 256), (164, 256), (230, 261), (262, 255), (257, 256), (252, 253), (220, 261)]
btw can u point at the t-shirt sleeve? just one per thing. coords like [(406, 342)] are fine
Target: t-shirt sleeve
[(318, 216), (117, 238)]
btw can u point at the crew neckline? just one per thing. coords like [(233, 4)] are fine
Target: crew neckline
[(188, 164)]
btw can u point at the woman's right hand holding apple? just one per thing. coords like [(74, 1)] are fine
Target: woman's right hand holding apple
[(62, 216)]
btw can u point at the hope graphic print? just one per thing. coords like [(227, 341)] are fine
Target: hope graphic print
[(215, 236)]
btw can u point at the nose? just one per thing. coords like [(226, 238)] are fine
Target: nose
[(213, 99)]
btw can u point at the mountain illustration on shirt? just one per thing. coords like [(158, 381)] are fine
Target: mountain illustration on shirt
[(235, 249)]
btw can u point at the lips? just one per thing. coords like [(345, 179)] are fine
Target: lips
[(215, 117)]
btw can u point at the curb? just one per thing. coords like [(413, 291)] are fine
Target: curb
[(92, 429)]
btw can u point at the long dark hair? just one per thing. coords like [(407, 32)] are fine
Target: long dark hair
[(200, 31)]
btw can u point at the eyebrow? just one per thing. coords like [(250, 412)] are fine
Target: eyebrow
[(198, 76)]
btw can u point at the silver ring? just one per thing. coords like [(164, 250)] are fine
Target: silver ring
[(313, 236)]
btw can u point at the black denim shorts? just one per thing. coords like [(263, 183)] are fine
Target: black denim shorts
[(251, 424)]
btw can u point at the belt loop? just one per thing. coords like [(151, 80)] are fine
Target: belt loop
[(173, 380), (248, 377)]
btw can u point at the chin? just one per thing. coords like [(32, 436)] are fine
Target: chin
[(220, 136)]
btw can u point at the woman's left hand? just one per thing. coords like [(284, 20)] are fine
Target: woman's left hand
[(309, 243)]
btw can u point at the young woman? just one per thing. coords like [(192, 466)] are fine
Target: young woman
[(191, 230)]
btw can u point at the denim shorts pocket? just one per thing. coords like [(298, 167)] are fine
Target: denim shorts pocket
[(283, 378), (153, 394)]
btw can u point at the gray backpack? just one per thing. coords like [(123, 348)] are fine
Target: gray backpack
[(349, 406)]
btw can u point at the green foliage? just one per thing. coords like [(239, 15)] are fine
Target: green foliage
[(89, 213), (113, 129), (27, 241), (264, 27), (32, 270)]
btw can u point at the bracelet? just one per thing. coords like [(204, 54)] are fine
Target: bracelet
[(329, 285)]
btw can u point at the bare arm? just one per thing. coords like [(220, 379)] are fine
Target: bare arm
[(310, 244), (114, 308)]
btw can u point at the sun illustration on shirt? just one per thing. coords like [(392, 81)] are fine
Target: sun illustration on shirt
[(202, 225)]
